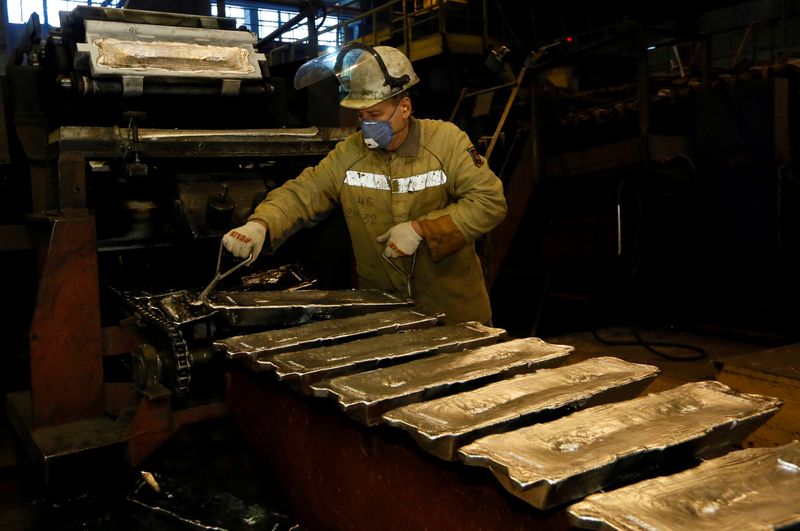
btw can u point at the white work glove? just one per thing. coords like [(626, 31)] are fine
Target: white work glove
[(243, 240), (401, 240)]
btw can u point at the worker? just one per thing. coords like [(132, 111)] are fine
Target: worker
[(415, 193)]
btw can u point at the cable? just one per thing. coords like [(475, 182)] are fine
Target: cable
[(701, 353), (629, 280)]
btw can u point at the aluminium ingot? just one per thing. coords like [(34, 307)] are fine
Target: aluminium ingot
[(552, 463), (748, 489), (128, 49), (443, 425), (117, 54), (366, 396), (325, 332), (303, 368), (272, 308), (291, 308)]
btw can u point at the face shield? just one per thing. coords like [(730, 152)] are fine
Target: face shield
[(367, 75)]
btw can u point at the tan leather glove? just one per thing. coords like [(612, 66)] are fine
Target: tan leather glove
[(401, 240), (243, 240)]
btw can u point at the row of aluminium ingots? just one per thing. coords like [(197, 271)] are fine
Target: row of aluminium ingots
[(551, 433)]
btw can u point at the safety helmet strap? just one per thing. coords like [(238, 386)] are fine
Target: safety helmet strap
[(390, 80)]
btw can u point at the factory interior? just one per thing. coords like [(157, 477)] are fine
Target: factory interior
[(641, 369)]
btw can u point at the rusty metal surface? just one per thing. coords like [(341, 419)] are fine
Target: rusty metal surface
[(442, 426), (552, 463), (324, 332), (65, 333), (71, 181), (120, 339), (751, 489), (46, 443), (366, 396), (303, 368), (154, 422), (337, 474)]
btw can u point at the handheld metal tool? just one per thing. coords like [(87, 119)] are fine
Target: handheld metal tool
[(400, 270), (203, 298)]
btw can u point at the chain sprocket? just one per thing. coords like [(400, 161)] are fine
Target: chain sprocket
[(154, 317)]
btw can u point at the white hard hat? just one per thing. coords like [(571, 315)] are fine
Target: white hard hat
[(368, 75), (369, 84)]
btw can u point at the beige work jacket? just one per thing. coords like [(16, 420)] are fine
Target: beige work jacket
[(437, 177)]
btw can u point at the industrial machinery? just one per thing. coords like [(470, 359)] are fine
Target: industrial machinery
[(147, 136)]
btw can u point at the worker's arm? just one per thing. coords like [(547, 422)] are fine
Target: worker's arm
[(305, 200), (479, 202)]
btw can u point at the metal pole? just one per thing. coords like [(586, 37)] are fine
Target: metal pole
[(644, 100), (313, 44), (406, 30), (503, 118)]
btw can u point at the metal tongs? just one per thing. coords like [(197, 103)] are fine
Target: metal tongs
[(203, 298), (400, 270)]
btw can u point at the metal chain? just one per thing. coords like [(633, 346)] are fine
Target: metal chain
[(154, 317)]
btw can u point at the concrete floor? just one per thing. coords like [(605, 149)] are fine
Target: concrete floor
[(211, 461), (624, 345)]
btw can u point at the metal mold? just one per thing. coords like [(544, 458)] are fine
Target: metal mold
[(291, 308), (271, 308), (324, 332), (745, 490), (304, 368), (177, 307), (443, 425), (366, 396), (552, 463), (130, 49)]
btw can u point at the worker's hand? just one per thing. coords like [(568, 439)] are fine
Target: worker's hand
[(401, 240), (243, 240)]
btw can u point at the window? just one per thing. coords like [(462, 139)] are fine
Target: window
[(19, 11), (266, 20), (54, 6), (260, 20), (237, 12)]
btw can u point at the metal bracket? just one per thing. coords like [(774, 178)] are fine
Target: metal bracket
[(231, 87), (132, 86)]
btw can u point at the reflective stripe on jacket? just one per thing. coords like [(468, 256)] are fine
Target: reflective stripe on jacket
[(435, 176)]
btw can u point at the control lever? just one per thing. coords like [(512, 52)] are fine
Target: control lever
[(203, 298), (399, 269), (136, 168)]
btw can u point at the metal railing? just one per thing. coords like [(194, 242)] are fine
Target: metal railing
[(397, 23)]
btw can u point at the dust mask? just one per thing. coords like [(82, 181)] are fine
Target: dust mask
[(378, 133)]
